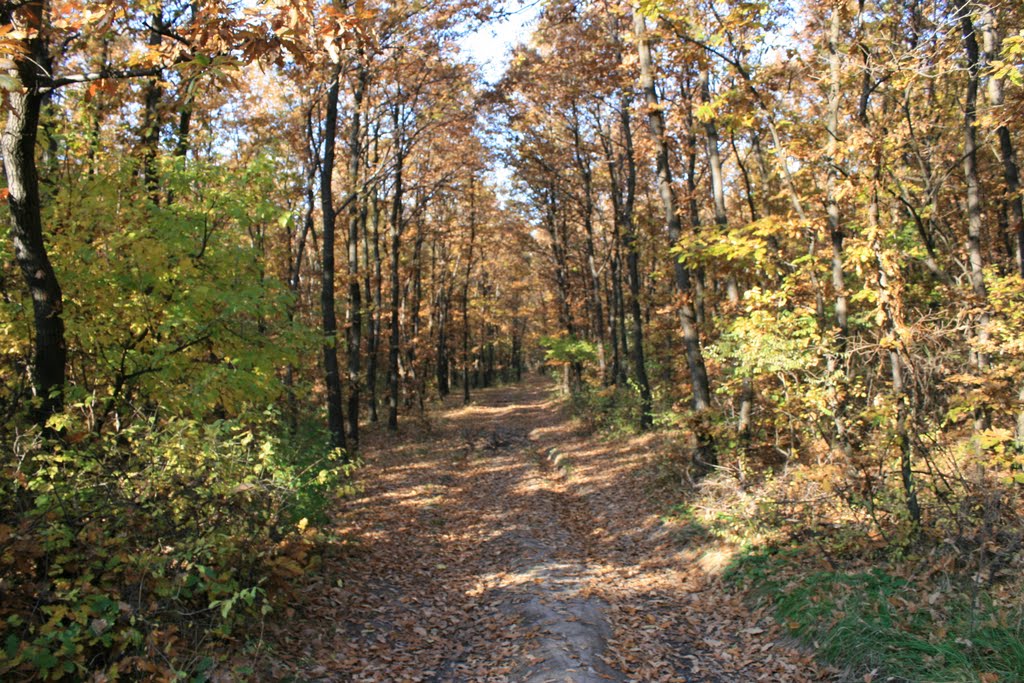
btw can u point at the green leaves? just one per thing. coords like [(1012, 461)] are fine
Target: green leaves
[(173, 300), (568, 349), (194, 515), (1011, 66)]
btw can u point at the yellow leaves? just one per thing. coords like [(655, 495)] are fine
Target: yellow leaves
[(652, 9), (57, 614), (287, 566), (705, 112), (994, 438)]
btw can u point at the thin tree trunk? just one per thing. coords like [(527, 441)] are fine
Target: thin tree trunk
[(354, 333), (974, 221), (583, 165), (836, 359), (1007, 154), (629, 240), (699, 295), (890, 301), (152, 94), (418, 382), (396, 288), (616, 304), (465, 292), (717, 179), (369, 313), (378, 301), (733, 294), (332, 376), (704, 458), (295, 264), (1008, 158), (441, 360)]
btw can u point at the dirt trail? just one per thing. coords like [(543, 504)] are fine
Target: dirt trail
[(479, 559)]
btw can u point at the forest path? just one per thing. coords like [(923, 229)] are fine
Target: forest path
[(498, 543)]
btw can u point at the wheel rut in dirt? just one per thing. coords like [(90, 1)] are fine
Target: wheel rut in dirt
[(479, 559)]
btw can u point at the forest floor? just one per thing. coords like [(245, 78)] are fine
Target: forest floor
[(500, 541)]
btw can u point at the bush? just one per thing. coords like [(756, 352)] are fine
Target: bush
[(876, 621), (125, 553)]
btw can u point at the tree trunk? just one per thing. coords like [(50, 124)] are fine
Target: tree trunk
[(699, 295), (370, 313), (295, 263), (974, 222), (627, 220), (704, 458), (150, 133), (332, 375), (616, 304), (441, 356), (733, 294), (465, 292), (583, 165), (416, 380), (354, 333), (890, 301), (24, 104), (378, 301), (1007, 154), (717, 179), (836, 359), (396, 287)]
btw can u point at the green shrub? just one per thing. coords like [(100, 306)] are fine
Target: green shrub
[(121, 553), (870, 621), (568, 349)]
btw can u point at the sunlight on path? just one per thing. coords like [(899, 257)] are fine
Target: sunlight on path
[(479, 560)]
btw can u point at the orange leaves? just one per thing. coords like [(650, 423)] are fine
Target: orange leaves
[(75, 15), (307, 33), (493, 563), (104, 86)]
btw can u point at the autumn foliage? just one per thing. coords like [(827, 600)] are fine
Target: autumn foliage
[(787, 235)]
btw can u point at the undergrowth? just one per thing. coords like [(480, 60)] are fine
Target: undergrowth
[(141, 553), (611, 410), (874, 622), (846, 570)]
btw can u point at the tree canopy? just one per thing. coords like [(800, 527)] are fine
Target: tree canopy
[(243, 233)]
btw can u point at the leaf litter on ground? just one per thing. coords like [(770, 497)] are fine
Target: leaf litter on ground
[(477, 558)]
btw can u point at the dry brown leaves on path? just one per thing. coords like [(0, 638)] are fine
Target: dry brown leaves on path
[(478, 560)]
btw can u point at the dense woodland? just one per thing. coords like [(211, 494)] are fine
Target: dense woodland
[(788, 235)]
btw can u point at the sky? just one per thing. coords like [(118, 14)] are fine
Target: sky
[(491, 45)]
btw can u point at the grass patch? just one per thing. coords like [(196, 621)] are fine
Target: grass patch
[(876, 622)]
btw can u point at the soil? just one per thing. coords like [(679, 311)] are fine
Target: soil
[(500, 541)]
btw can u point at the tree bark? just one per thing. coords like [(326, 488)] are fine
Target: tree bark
[(150, 134), (332, 376), (836, 359), (465, 293), (704, 458), (627, 220), (583, 166), (396, 288), (24, 105), (974, 222), (373, 350), (890, 301), (1007, 154), (354, 333), (717, 179)]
